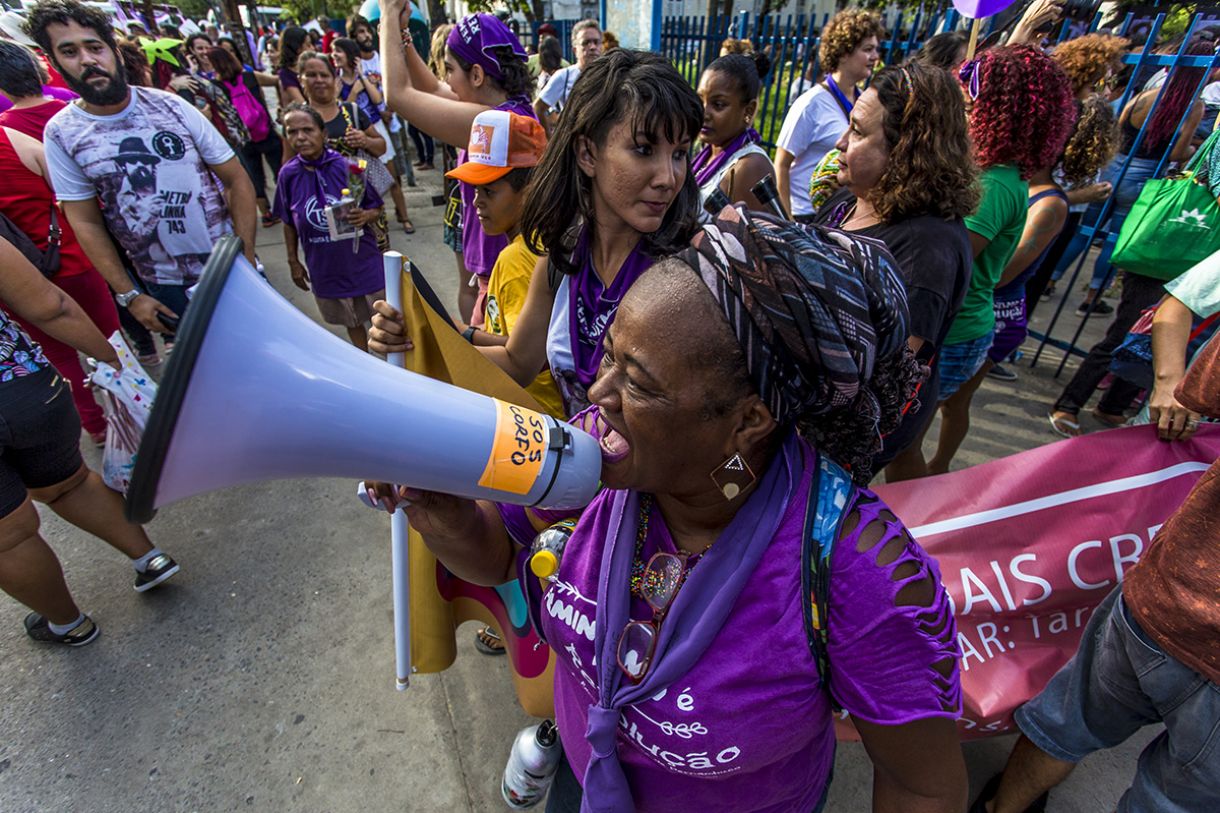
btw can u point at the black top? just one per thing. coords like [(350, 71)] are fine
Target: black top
[(935, 259)]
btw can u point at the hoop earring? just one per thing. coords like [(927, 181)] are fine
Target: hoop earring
[(733, 476)]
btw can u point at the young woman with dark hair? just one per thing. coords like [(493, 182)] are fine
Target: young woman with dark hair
[(903, 182), (484, 69), (355, 86), (292, 42), (614, 192), (731, 159), (245, 90)]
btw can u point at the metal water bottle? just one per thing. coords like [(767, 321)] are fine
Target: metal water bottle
[(531, 765)]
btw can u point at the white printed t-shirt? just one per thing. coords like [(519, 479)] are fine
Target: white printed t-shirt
[(148, 165), (559, 86), (813, 126)]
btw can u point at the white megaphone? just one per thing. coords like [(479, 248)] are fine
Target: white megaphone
[(257, 391)]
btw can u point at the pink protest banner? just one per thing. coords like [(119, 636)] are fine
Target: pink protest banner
[(1029, 544)]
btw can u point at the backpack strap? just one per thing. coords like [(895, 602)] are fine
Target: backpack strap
[(829, 498)]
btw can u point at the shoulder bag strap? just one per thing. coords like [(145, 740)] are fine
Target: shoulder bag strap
[(829, 498)]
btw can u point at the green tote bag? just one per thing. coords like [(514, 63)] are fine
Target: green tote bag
[(1174, 224)]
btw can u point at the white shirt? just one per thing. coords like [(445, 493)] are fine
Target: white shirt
[(559, 86), (149, 163), (813, 126)]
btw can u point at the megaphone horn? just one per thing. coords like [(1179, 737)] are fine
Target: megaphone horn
[(255, 391)]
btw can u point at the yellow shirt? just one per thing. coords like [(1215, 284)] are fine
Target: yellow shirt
[(506, 289)]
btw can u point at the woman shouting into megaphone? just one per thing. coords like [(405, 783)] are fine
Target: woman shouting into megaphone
[(613, 192), (741, 393)]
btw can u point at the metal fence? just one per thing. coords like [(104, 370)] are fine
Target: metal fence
[(692, 43)]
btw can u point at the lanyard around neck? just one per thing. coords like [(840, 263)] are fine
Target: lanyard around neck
[(839, 97)]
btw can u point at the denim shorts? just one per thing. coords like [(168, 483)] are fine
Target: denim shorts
[(1119, 681), (958, 363)]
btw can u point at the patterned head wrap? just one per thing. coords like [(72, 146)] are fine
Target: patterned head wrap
[(812, 308)]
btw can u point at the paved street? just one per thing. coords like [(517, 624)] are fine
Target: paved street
[(261, 677)]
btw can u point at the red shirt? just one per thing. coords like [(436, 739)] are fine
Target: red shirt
[(31, 120), (26, 199)]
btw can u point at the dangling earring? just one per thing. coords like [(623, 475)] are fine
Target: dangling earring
[(733, 476)]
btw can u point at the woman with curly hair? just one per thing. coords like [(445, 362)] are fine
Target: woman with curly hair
[(740, 380), (816, 120), (1091, 61), (485, 69), (1047, 213), (1177, 104), (903, 182), (1021, 114), (1089, 151)]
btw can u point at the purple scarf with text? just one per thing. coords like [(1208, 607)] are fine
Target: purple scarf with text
[(694, 619)]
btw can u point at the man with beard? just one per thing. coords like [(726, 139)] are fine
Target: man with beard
[(361, 30), (142, 162)]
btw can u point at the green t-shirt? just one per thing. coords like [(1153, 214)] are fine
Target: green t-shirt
[(1001, 219)]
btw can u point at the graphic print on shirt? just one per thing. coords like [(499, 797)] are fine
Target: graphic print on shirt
[(156, 196), (666, 728), (315, 218), (159, 198)]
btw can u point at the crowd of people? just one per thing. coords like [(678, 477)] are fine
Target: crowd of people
[(738, 357)]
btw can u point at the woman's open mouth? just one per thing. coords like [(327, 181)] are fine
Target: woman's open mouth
[(613, 445)]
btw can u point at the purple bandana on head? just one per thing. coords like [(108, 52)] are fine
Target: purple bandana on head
[(476, 35)]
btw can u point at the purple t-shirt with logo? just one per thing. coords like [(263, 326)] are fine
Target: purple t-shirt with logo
[(749, 727), (479, 250), (301, 197)]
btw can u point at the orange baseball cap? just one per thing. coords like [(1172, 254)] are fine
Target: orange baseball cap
[(500, 141)]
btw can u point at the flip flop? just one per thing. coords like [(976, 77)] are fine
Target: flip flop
[(1063, 426), (407, 226), (488, 642), (1108, 419)]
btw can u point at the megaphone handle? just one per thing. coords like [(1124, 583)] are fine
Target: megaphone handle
[(392, 265)]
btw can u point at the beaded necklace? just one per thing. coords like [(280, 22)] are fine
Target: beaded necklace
[(638, 565)]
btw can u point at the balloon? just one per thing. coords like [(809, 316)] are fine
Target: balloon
[(976, 9)]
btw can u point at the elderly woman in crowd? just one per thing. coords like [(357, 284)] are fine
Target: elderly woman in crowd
[(734, 376), (816, 121), (345, 274), (903, 182), (731, 159)]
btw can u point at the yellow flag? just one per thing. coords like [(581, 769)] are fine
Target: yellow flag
[(439, 600)]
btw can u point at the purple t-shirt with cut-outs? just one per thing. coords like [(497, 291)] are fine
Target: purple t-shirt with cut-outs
[(749, 727)]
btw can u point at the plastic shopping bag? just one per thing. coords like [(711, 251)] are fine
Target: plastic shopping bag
[(127, 397)]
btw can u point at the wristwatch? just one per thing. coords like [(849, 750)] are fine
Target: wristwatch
[(468, 334), (126, 299)]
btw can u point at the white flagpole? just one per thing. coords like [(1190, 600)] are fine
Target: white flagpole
[(393, 264)]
